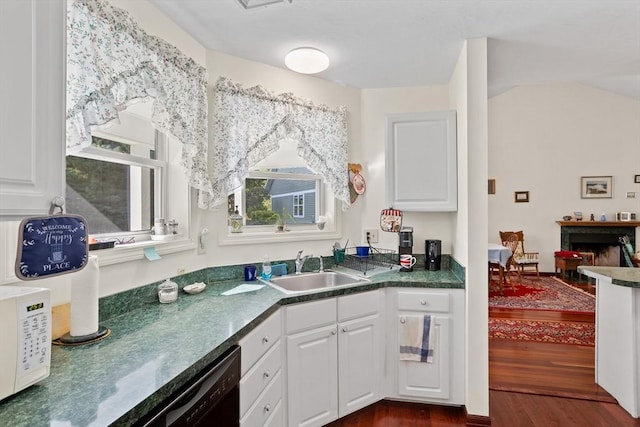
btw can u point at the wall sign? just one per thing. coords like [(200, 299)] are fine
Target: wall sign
[(51, 245)]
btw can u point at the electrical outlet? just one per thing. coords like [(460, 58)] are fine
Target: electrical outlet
[(372, 235)]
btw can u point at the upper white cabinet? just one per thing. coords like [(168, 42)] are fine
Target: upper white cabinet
[(420, 164), (32, 105)]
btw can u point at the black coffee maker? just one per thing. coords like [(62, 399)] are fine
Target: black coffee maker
[(405, 247), (432, 255)]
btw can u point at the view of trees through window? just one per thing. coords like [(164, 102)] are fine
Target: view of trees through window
[(101, 191), (258, 201)]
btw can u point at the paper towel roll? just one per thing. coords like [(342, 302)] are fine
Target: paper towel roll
[(84, 299)]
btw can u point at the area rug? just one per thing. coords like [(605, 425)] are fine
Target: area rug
[(579, 333), (544, 293)]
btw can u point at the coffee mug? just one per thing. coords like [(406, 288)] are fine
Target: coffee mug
[(249, 273), (362, 251), (407, 261)]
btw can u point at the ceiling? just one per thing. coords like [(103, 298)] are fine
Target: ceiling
[(394, 43)]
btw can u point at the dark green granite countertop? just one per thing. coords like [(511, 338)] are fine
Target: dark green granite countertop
[(622, 276), (154, 350)]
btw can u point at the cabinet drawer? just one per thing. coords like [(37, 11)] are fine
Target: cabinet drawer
[(359, 305), (258, 377), (257, 342), (311, 315), (267, 408), (424, 301)]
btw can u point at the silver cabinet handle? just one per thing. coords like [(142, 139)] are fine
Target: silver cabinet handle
[(344, 329), (333, 332), (423, 302), (266, 374), (402, 320), (267, 407), (265, 339)]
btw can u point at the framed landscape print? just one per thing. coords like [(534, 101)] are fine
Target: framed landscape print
[(596, 187)]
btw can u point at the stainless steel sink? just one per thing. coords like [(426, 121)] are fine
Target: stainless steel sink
[(306, 282)]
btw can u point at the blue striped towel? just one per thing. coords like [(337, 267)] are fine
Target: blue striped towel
[(417, 338)]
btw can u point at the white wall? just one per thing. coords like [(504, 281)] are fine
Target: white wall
[(542, 139), (468, 93)]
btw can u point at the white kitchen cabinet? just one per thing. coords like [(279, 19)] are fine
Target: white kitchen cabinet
[(360, 350), (32, 105), (261, 355), (334, 357), (443, 380), (420, 162), (312, 369)]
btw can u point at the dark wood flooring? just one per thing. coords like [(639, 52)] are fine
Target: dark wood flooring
[(531, 385)]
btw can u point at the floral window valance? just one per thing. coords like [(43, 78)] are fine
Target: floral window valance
[(112, 63), (250, 123)]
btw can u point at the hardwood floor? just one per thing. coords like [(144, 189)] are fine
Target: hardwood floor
[(531, 385)]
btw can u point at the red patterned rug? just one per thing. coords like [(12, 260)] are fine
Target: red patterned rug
[(579, 333), (544, 293)]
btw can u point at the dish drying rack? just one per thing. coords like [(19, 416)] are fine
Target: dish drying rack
[(379, 260)]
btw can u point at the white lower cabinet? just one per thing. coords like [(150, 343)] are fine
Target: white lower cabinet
[(440, 381), (261, 380), (334, 357)]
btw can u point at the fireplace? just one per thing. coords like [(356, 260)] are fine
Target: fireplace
[(600, 238)]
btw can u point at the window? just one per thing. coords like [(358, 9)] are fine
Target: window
[(270, 194), (116, 185), (298, 205)]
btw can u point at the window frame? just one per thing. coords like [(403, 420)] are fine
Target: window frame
[(326, 206), (160, 175)]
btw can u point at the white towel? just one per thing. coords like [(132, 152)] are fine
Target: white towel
[(417, 338)]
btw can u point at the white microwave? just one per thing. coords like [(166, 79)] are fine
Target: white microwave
[(25, 353)]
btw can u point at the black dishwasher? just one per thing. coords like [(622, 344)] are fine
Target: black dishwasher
[(212, 399)]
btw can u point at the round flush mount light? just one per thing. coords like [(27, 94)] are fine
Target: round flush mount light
[(307, 60)]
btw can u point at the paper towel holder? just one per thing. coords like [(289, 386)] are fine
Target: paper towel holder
[(68, 339), (85, 327)]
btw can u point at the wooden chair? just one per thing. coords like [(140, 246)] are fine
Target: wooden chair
[(509, 241), (524, 261)]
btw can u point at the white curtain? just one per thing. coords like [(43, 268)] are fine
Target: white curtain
[(249, 124), (112, 63)]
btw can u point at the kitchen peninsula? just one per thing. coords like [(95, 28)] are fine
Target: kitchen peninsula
[(618, 333)]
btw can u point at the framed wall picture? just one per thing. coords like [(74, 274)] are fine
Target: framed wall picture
[(491, 186), (596, 187), (637, 179), (521, 197)]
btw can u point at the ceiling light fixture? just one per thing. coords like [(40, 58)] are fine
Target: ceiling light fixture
[(307, 60), (250, 4)]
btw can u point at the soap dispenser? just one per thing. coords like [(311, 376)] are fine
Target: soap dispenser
[(266, 268)]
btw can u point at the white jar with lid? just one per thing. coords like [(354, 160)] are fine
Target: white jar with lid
[(167, 291)]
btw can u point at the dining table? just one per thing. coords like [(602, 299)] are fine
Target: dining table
[(499, 254)]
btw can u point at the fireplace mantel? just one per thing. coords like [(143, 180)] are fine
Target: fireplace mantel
[(598, 223)]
